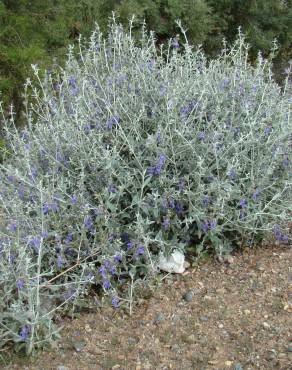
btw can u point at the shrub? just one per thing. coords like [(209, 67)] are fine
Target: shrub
[(130, 151)]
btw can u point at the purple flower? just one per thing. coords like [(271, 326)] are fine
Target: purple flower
[(45, 234), (205, 226), (33, 173), (158, 138), (115, 302), (35, 242), (102, 271), (157, 169), (24, 332), (179, 208), (205, 201), (279, 234), (125, 237), (68, 238), (171, 203), (256, 194), (213, 224), (59, 261), (232, 174), (201, 136), (243, 203), (113, 270), (112, 121), (50, 206), (12, 227), (112, 189), (224, 83), (88, 223), (286, 162), (21, 192), (140, 250), (72, 81), (166, 223), (106, 284), (74, 199), (20, 284), (118, 258), (162, 90), (164, 202), (130, 245), (107, 264), (268, 130), (175, 43), (181, 185)]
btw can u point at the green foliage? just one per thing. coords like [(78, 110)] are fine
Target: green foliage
[(37, 31)]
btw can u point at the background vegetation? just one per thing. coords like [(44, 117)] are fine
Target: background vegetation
[(39, 31)]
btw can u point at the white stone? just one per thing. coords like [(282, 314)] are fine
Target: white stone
[(173, 263)]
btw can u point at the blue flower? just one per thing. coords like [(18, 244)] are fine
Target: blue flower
[(113, 270), (140, 250), (115, 302), (213, 224), (232, 174), (102, 271), (106, 284), (256, 194), (157, 169), (205, 226), (20, 284), (171, 203), (201, 135), (68, 238), (35, 242), (88, 223), (279, 234), (175, 43), (267, 130), (130, 245), (112, 121), (118, 258), (24, 332), (72, 81), (166, 223), (74, 199), (12, 227), (205, 201), (59, 261), (181, 185), (243, 203), (112, 189)]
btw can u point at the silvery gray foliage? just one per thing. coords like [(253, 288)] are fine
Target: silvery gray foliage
[(128, 151)]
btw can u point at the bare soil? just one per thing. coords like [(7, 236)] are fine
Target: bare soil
[(239, 317)]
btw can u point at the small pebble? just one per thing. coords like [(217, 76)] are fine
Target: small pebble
[(158, 318), (289, 349), (61, 367), (238, 367), (188, 296), (79, 345), (204, 318)]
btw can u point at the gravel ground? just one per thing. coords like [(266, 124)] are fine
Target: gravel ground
[(230, 315)]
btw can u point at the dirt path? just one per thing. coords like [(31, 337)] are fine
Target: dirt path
[(237, 316)]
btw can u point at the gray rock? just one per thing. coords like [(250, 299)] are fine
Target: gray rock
[(78, 345), (158, 318), (289, 348), (61, 367), (238, 367), (188, 296), (204, 318)]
